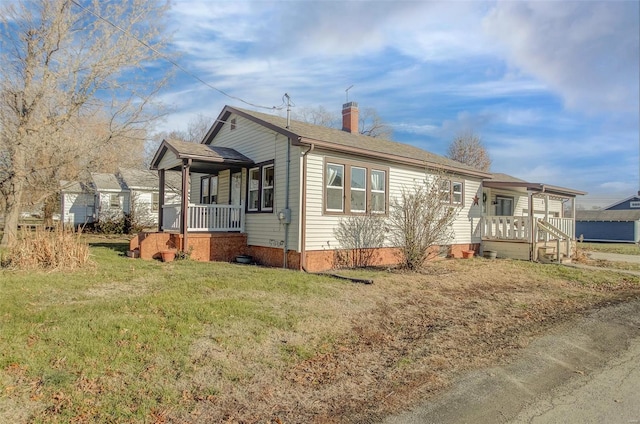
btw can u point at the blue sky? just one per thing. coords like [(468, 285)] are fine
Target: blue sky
[(552, 87)]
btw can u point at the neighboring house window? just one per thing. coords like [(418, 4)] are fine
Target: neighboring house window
[(209, 189), (365, 190), (114, 201), (261, 190), (452, 192), (155, 202)]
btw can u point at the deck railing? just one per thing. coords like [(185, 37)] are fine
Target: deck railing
[(206, 218), (519, 228), (506, 227)]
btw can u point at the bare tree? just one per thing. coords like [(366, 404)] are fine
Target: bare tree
[(317, 116), (421, 217), (66, 64), (197, 129), (371, 124), (469, 149)]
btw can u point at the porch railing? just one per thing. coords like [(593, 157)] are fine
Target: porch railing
[(209, 218), (565, 225), (506, 227)]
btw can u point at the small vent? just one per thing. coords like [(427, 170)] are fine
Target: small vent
[(233, 124)]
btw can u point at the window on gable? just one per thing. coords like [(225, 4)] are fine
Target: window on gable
[(355, 188), (261, 188), (233, 124)]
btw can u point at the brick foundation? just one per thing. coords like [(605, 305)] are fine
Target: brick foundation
[(224, 247), (205, 247), (324, 260), (272, 256)]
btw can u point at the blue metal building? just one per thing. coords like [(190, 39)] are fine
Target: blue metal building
[(619, 222)]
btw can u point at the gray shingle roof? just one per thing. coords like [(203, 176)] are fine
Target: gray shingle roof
[(107, 182), (606, 215), (362, 143), (214, 153), (498, 176)]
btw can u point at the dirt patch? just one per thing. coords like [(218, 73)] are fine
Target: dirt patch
[(420, 331)]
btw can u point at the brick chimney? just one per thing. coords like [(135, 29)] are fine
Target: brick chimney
[(350, 117)]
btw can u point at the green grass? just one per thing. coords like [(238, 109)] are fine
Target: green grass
[(113, 340), (622, 248)]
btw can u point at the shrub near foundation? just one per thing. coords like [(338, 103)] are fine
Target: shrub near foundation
[(60, 249)]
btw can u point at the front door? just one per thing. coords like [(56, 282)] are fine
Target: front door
[(504, 206)]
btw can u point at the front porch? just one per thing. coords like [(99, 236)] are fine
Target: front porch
[(527, 238), (203, 218)]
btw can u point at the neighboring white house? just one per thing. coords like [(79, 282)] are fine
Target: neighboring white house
[(286, 185), (110, 196)]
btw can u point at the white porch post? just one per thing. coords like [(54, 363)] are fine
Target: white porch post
[(573, 215), (184, 222), (161, 199), (533, 237)]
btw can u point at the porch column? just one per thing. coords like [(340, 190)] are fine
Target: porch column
[(161, 199), (533, 237), (184, 222), (573, 215), (546, 214)]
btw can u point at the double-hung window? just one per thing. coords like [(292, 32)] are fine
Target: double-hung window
[(358, 189), (155, 202), (452, 192), (261, 188), (335, 188), (354, 188), (267, 187), (378, 191), (114, 201), (209, 190)]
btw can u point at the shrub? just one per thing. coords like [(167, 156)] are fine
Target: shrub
[(59, 249), (421, 219), (359, 235)]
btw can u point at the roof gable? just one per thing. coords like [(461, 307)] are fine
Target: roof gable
[(625, 204), (107, 182)]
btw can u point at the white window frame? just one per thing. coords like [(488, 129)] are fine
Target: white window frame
[(355, 189), (155, 202), (383, 191), (250, 190), (265, 187), (334, 187), (114, 204)]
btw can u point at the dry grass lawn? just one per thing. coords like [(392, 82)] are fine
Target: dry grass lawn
[(293, 348)]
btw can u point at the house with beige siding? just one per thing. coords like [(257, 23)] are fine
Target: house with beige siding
[(275, 189)]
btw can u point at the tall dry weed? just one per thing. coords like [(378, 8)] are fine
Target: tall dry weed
[(54, 250)]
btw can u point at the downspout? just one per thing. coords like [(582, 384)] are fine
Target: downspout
[(287, 211), (303, 211), (285, 216), (161, 177)]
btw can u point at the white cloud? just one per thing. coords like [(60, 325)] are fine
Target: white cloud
[(587, 51)]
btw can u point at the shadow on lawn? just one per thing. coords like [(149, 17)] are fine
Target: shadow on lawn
[(120, 247)]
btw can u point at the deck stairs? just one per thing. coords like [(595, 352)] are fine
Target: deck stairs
[(549, 255)]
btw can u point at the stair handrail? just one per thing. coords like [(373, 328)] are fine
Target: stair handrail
[(559, 234)]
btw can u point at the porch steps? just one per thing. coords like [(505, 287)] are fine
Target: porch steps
[(547, 255)]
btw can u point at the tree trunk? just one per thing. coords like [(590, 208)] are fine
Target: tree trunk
[(12, 214)]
